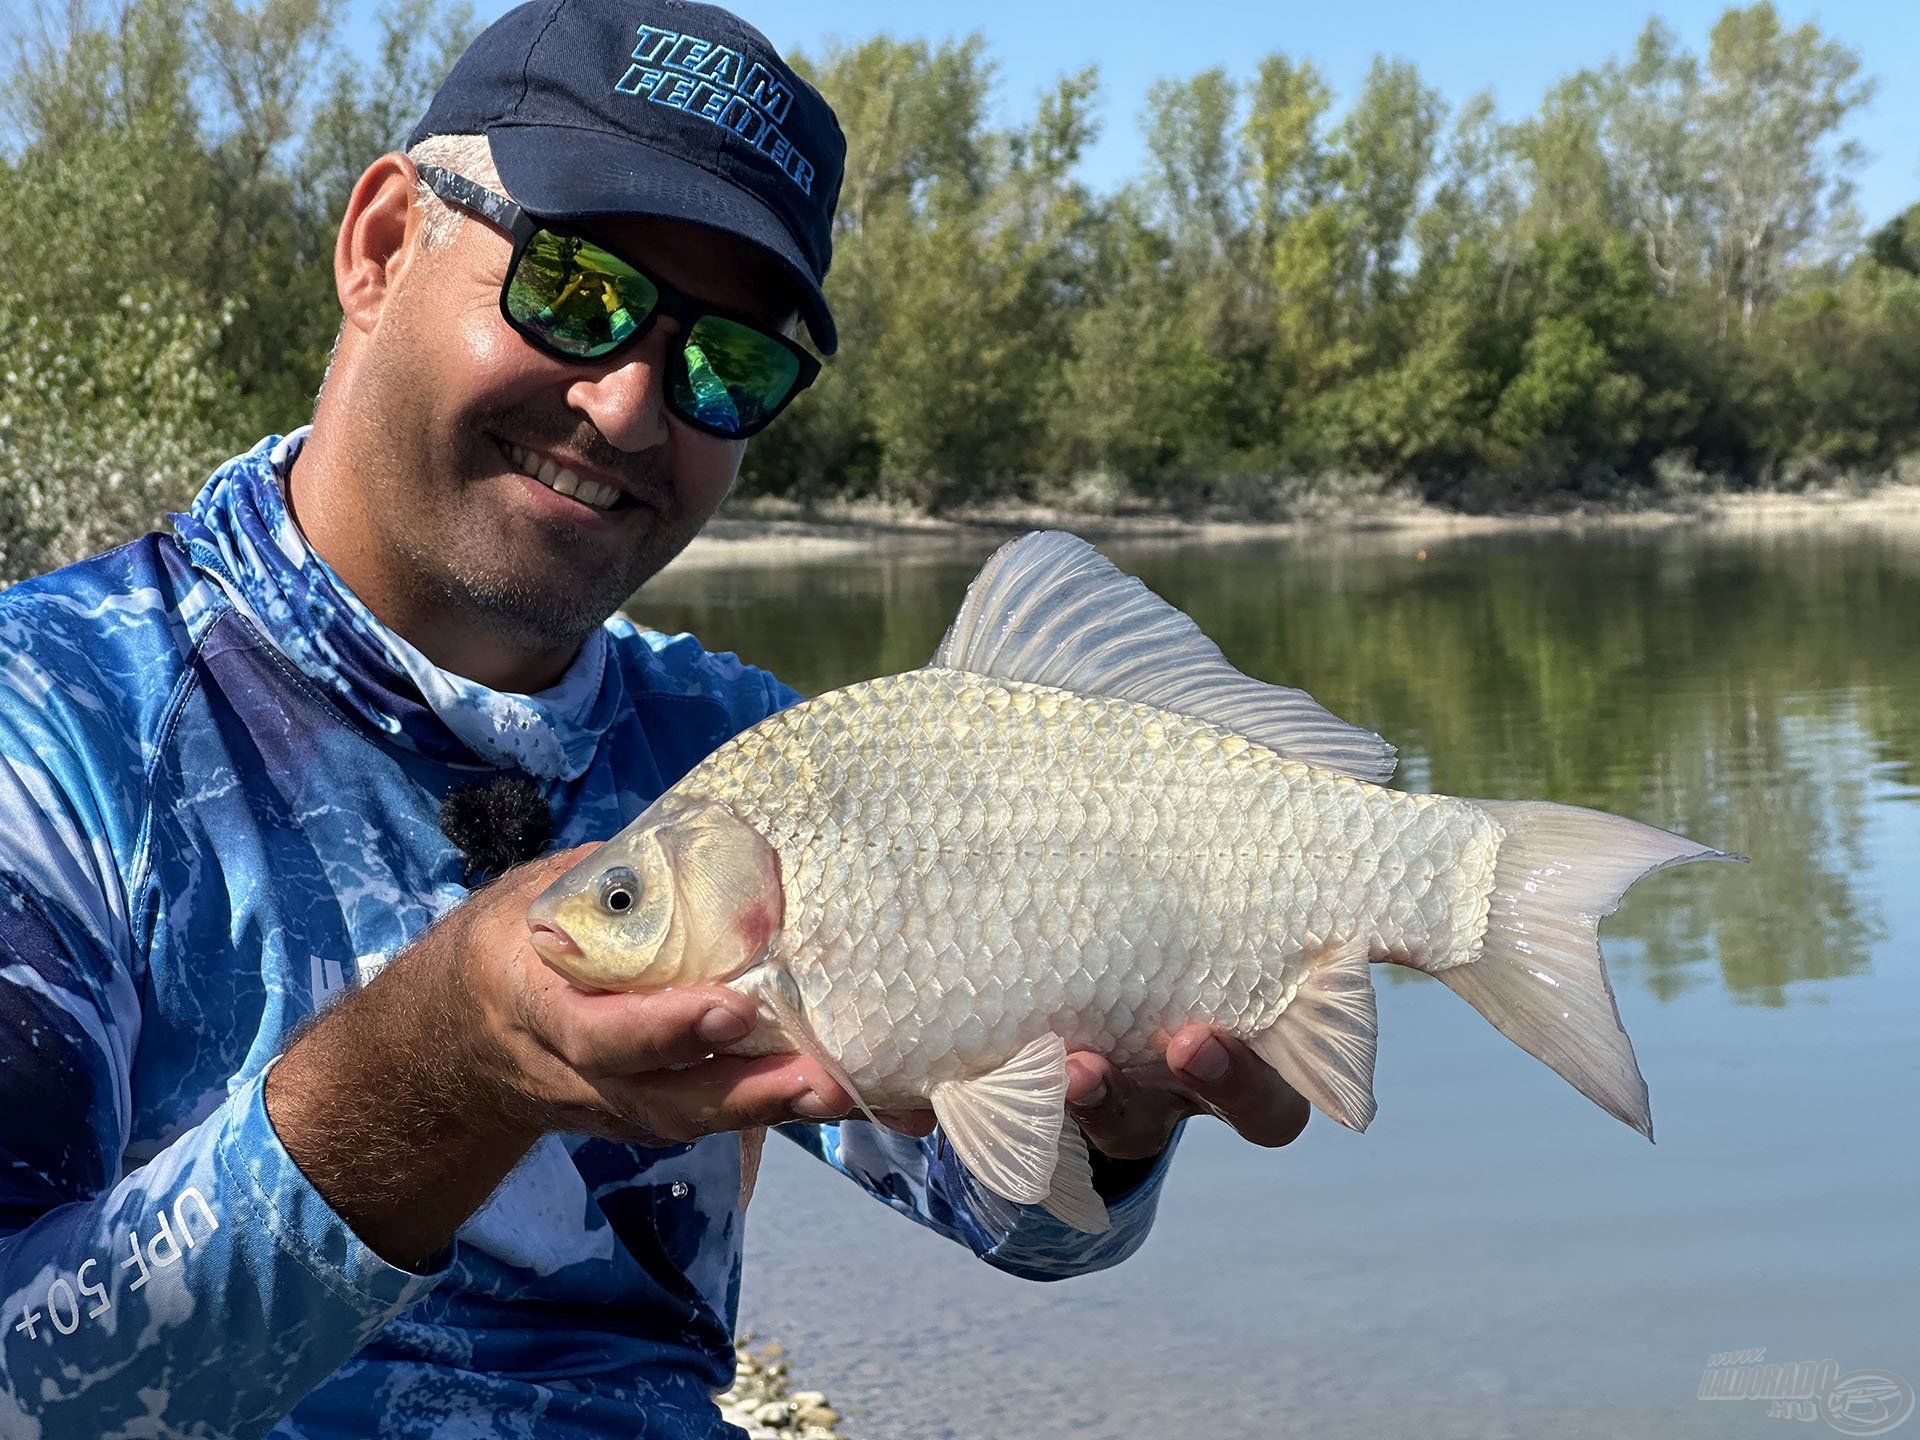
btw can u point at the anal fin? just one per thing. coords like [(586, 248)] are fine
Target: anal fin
[(1072, 1198), (1323, 1043)]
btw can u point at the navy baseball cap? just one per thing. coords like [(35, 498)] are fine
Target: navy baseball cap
[(655, 107)]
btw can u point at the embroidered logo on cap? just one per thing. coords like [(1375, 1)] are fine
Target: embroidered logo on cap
[(711, 82)]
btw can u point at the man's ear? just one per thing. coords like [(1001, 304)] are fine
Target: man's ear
[(377, 239)]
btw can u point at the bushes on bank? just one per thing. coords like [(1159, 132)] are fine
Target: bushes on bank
[(1653, 284)]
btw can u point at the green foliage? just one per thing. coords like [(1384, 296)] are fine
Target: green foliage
[(1654, 277), (1140, 386), (166, 283), (137, 382), (1896, 244), (961, 255)]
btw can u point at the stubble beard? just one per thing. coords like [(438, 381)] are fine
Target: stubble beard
[(529, 610), (455, 565)]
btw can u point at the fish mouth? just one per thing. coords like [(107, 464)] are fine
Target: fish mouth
[(553, 944)]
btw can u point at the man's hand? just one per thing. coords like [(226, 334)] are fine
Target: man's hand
[(1130, 1114), (409, 1102), (628, 1066)]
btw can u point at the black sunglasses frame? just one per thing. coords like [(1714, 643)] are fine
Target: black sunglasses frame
[(675, 304)]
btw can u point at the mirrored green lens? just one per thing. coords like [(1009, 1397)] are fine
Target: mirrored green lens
[(736, 377), (581, 299)]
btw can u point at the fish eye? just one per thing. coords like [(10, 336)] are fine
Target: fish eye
[(619, 890)]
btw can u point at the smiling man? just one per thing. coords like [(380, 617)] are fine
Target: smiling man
[(296, 1135)]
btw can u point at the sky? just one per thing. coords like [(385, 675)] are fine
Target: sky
[(1514, 47)]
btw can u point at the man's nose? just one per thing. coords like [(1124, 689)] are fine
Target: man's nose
[(626, 400)]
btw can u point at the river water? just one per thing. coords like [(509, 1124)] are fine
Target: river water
[(1495, 1256)]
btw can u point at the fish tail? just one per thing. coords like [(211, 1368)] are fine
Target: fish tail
[(1539, 977)]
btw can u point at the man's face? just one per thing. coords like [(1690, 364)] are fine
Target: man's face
[(467, 407)]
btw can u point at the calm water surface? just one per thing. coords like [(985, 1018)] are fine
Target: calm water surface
[(1495, 1257)]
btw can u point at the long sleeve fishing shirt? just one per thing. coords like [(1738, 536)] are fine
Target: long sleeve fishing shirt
[(220, 777)]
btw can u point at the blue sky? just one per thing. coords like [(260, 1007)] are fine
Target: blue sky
[(1514, 47)]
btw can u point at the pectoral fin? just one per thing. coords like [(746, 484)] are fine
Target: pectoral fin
[(1006, 1125), (780, 995), (1323, 1042)]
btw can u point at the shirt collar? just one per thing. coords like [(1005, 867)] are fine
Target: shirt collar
[(240, 532)]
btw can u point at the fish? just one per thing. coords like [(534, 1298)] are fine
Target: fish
[(1079, 827)]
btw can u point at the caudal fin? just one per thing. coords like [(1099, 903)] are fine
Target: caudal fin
[(1539, 977)]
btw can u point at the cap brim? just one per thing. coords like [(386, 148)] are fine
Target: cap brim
[(611, 175)]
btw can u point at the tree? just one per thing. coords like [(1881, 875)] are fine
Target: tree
[(1897, 243), (1655, 141), (1142, 392), (366, 110), (960, 250), (1194, 172), (1294, 283), (165, 143), (1383, 156), (1775, 169)]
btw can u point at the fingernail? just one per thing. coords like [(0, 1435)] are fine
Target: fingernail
[(1209, 1062), (812, 1107), (1095, 1096), (721, 1025)]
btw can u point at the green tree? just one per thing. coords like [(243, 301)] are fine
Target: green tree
[(1193, 173), (1142, 387), (1896, 244), (1776, 170), (167, 146), (366, 110), (1384, 156), (1656, 143)]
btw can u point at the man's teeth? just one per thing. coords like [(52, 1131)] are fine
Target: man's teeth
[(562, 480)]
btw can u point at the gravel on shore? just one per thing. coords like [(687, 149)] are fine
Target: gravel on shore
[(761, 1404)]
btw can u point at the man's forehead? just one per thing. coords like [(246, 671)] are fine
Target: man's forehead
[(713, 265)]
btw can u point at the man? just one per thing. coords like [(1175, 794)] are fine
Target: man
[(466, 1199)]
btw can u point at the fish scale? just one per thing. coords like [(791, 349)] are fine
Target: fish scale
[(944, 840)]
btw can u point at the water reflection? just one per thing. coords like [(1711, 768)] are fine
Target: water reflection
[(1759, 693)]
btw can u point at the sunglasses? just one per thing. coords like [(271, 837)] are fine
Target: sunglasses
[(575, 299)]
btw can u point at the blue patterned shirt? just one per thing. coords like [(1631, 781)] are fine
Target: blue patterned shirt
[(220, 780)]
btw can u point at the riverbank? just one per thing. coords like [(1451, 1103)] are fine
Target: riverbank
[(764, 532)]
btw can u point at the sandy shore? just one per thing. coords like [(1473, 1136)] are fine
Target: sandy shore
[(766, 532)]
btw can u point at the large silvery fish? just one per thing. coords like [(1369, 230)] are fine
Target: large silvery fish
[(1080, 827)]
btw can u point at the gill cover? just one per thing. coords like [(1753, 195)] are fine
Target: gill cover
[(688, 893)]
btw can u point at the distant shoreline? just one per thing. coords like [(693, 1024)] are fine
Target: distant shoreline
[(766, 532)]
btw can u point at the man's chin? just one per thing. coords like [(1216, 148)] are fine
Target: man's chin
[(529, 617), (540, 587)]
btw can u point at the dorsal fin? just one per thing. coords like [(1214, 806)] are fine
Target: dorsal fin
[(1049, 609)]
